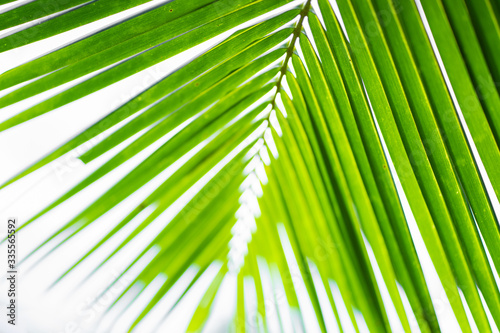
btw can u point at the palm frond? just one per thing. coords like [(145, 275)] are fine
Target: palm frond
[(305, 151)]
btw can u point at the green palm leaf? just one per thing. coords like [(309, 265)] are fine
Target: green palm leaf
[(308, 149)]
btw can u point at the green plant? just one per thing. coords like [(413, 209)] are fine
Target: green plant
[(328, 187)]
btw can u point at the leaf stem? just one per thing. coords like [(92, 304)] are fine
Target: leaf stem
[(291, 47)]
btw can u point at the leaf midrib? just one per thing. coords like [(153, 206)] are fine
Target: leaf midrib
[(289, 52)]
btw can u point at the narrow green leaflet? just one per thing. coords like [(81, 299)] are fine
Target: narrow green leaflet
[(204, 84), (130, 67), (401, 159), (486, 88), (465, 91), (407, 275), (203, 310), (440, 161), (93, 12), (35, 10), (449, 123), (167, 85)]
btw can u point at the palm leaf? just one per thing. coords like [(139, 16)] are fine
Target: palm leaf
[(308, 149)]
